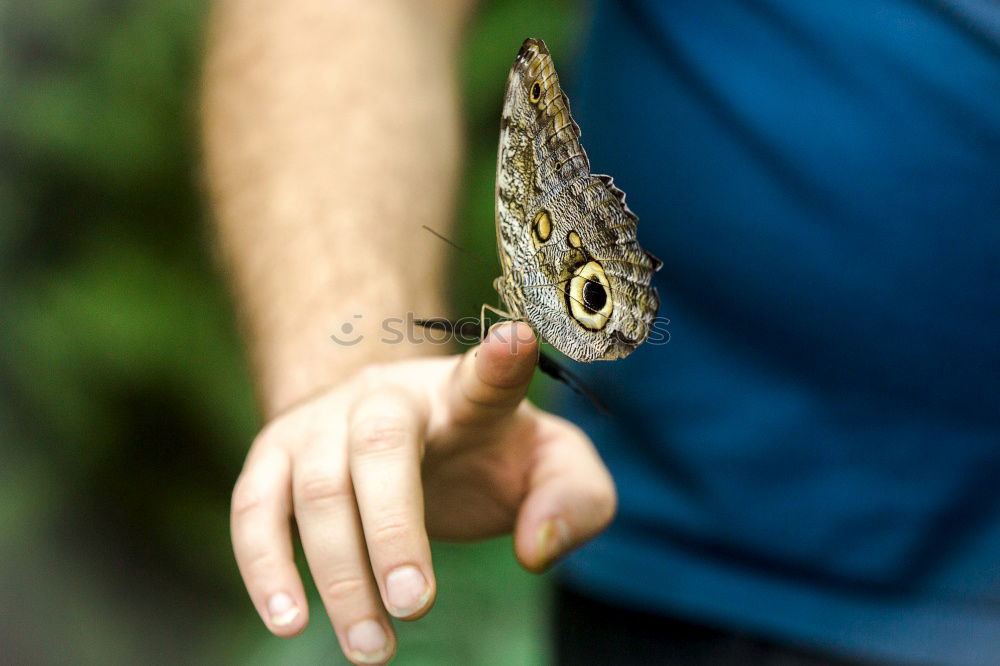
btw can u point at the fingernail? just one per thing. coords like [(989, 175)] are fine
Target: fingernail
[(406, 590), (495, 331), (367, 642), (282, 610), (551, 540)]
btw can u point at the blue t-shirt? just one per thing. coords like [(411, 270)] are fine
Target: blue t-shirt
[(815, 455)]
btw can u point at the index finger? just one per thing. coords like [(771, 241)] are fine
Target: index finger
[(492, 378)]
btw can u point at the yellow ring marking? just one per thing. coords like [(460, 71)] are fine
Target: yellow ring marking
[(581, 296), (542, 226)]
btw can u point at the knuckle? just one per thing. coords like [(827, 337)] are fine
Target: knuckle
[(246, 498), (392, 530), (262, 565), (322, 489), (373, 437), (605, 503), (344, 587), (269, 435)]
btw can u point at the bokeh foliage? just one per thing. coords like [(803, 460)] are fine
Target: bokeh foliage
[(127, 405)]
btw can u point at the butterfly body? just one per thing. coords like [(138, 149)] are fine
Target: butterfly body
[(570, 262)]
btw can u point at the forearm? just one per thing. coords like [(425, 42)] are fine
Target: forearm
[(331, 133)]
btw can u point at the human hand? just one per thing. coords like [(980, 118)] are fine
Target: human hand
[(444, 448)]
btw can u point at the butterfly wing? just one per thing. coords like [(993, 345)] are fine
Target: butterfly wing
[(572, 265)]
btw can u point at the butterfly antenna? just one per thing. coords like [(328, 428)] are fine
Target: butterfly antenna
[(458, 247)]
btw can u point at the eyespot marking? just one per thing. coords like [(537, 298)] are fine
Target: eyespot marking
[(542, 226), (536, 92), (573, 240), (589, 296)]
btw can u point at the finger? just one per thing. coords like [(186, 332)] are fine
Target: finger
[(330, 531), (262, 542), (571, 496), (492, 378), (384, 442)]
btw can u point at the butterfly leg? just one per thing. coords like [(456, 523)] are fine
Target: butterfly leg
[(482, 318)]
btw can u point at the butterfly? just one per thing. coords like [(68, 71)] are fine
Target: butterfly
[(571, 264)]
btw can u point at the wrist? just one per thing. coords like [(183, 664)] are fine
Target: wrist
[(294, 367)]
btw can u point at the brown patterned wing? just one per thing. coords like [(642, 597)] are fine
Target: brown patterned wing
[(572, 266)]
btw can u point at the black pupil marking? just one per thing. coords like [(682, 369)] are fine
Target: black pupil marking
[(536, 91), (595, 297)]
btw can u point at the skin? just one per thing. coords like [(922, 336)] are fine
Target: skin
[(331, 134)]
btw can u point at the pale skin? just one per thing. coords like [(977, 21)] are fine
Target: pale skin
[(332, 133)]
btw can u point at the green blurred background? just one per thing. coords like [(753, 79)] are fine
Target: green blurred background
[(127, 405)]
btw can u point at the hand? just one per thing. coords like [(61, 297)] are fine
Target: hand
[(445, 448)]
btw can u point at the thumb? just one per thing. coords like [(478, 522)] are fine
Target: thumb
[(571, 497), (492, 378)]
